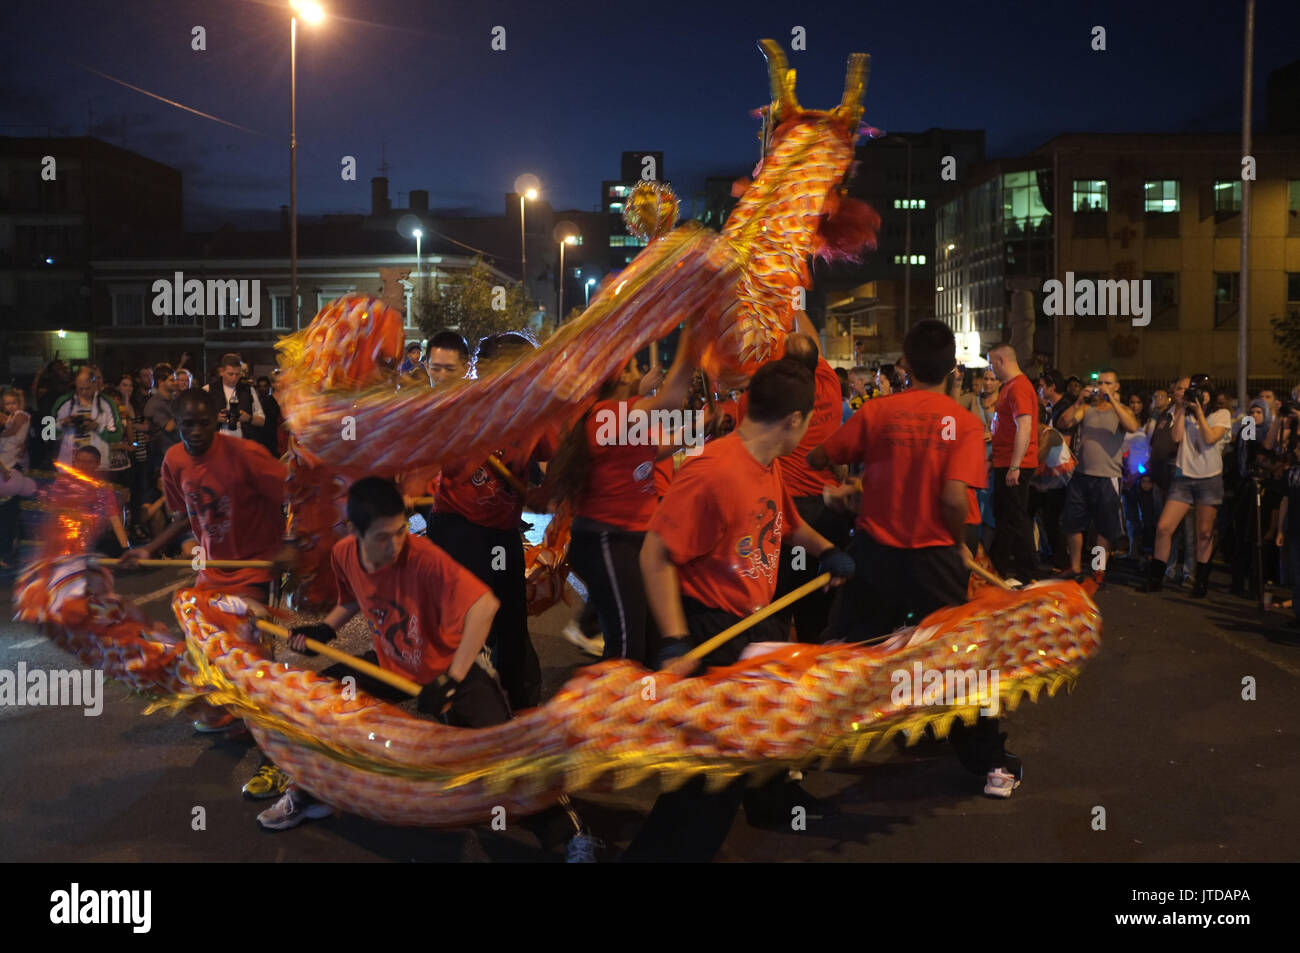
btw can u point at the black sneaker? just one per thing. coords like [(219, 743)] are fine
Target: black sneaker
[(767, 809)]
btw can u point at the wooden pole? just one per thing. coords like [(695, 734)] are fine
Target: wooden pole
[(984, 574), (207, 563), (726, 635), (361, 665)]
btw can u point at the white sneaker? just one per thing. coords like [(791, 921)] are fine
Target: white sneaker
[(1013, 582), (593, 647), (291, 810), (1000, 783)]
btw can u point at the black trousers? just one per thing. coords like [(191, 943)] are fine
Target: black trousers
[(811, 613), (9, 512), (1013, 540), (609, 563), (690, 825), (895, 587), (496, 557), (1049, 505)]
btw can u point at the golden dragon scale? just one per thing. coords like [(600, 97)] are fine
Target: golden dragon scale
[(611, 725)]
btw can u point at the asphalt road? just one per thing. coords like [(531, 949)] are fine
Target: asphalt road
[(1157, 733)]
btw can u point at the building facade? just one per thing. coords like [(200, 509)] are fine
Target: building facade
[(1161, 210)]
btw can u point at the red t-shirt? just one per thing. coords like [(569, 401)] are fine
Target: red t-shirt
[(722, 520), (415, 607), (828, 408), (620, 487), (1016, 399), (234, 495), (664, 471), (911, 443), (482, 495)]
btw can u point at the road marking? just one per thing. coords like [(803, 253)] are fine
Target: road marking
[(27, 644), (1251, 649)]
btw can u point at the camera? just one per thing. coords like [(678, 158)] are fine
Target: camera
[(1198, 385), (232, 414), (81, 423), (1290, 407)]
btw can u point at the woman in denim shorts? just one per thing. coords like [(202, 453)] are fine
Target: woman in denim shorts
[(1197, 482)]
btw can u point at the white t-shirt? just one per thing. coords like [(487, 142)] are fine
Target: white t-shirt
[(1195, 459)]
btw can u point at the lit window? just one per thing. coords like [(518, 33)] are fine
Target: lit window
[(1227, 195), (1161, 195), (1090, 195)]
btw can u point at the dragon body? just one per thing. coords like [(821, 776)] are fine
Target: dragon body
[(613, 724)]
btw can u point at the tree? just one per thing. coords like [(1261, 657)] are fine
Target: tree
[(1286, 335), (474, 302)]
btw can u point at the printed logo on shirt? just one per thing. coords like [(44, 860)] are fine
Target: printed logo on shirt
[(644, 471), (760, 553), (212, 512), (399, 631)]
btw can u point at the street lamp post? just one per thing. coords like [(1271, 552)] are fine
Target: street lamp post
[(419, 264), (312, 13), (587, 302), (559, 314)]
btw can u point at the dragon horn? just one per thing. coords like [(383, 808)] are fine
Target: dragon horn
[(781, 77), (855, 81)]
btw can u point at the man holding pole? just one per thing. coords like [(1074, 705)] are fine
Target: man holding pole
[(921, 453), (429, 619), (230, 495), (710, 559)]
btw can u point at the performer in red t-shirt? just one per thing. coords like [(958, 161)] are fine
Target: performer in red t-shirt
[(806, 485), (230, 494), (1015, 440), (429, 618), (710, 559), (606, 467), (712, 550), (475, 520), (921, 453)]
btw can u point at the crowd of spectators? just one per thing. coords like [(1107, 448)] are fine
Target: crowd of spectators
[(125, 426)]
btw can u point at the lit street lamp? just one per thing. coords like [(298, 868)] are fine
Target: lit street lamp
[(590, 282), (312, 13), (526, 185), (566, 233)]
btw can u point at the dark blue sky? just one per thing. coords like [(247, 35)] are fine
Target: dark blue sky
[(581, 82)]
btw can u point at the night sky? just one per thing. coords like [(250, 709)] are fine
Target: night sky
[(581, 82)]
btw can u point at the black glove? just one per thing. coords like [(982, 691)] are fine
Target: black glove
[(436, 697), (320, 632), (672, 649), (838, 563)]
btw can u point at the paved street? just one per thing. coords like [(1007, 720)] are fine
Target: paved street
[(1156, 733)]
